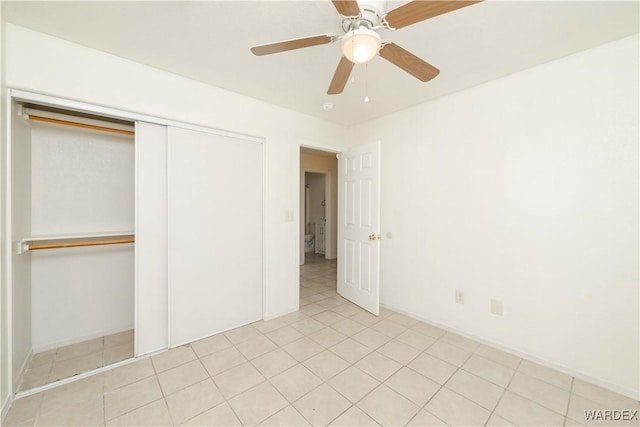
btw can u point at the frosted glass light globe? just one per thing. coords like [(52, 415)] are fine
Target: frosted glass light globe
[(361, 45)]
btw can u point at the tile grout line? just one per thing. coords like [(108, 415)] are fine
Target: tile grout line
[(224, 401), (266, 380), (104, 403), (504, 391), (138, 407), (458, 368), (209, 377), (566, 418)]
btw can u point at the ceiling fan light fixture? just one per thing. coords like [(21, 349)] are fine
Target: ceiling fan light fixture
[(361, 45)]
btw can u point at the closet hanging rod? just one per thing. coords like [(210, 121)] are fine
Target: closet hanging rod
[(80, 125), (56, 244)]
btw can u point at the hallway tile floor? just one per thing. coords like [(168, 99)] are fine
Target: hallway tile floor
[(330, 363)]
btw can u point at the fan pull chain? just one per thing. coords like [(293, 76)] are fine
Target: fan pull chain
[(353, 48), (366, 82), (353, 76)]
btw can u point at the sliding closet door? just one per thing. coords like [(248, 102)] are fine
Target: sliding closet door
[(215, 234), (151, 238)]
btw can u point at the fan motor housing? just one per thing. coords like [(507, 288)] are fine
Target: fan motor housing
[(370, 17)]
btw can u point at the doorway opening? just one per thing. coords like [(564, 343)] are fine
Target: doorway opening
[(318, 204), (318, 231)]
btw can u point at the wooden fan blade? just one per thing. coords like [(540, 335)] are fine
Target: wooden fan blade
[(408, 62), (267, 49), (419, 10), (340, 77), (347, 7)]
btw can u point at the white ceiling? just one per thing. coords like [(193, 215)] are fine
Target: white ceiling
[(209, 41)]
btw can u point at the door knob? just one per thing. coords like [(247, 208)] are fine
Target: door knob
[(374, 237)]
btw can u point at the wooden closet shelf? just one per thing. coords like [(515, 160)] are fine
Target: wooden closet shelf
[(73, 242), (80, 125)]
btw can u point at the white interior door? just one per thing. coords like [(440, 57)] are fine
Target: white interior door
[(359, 226), (215, 234)]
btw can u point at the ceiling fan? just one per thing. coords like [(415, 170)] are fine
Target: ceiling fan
[(361, 41)]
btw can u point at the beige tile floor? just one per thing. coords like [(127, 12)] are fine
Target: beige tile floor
[(330, 363), (64, 362)]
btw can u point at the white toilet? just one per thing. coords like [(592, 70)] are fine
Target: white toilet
[(308, 243)]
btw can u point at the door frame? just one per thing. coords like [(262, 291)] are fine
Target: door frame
[(301, 179), (299, 234)]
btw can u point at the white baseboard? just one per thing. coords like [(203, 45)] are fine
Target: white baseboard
[(75, 340), (283, 313), (5, 408), (151, 352), (616, 388), (25, 364)]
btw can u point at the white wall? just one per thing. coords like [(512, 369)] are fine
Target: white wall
[(21, 319), (5, 359), (81, 293), (82, 182), (524, 189), (76, 72)]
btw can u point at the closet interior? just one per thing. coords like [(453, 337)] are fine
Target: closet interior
[(72, 224), (83, 187)]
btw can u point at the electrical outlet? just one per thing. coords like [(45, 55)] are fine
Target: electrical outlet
[(496, 307), (459, 297)]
